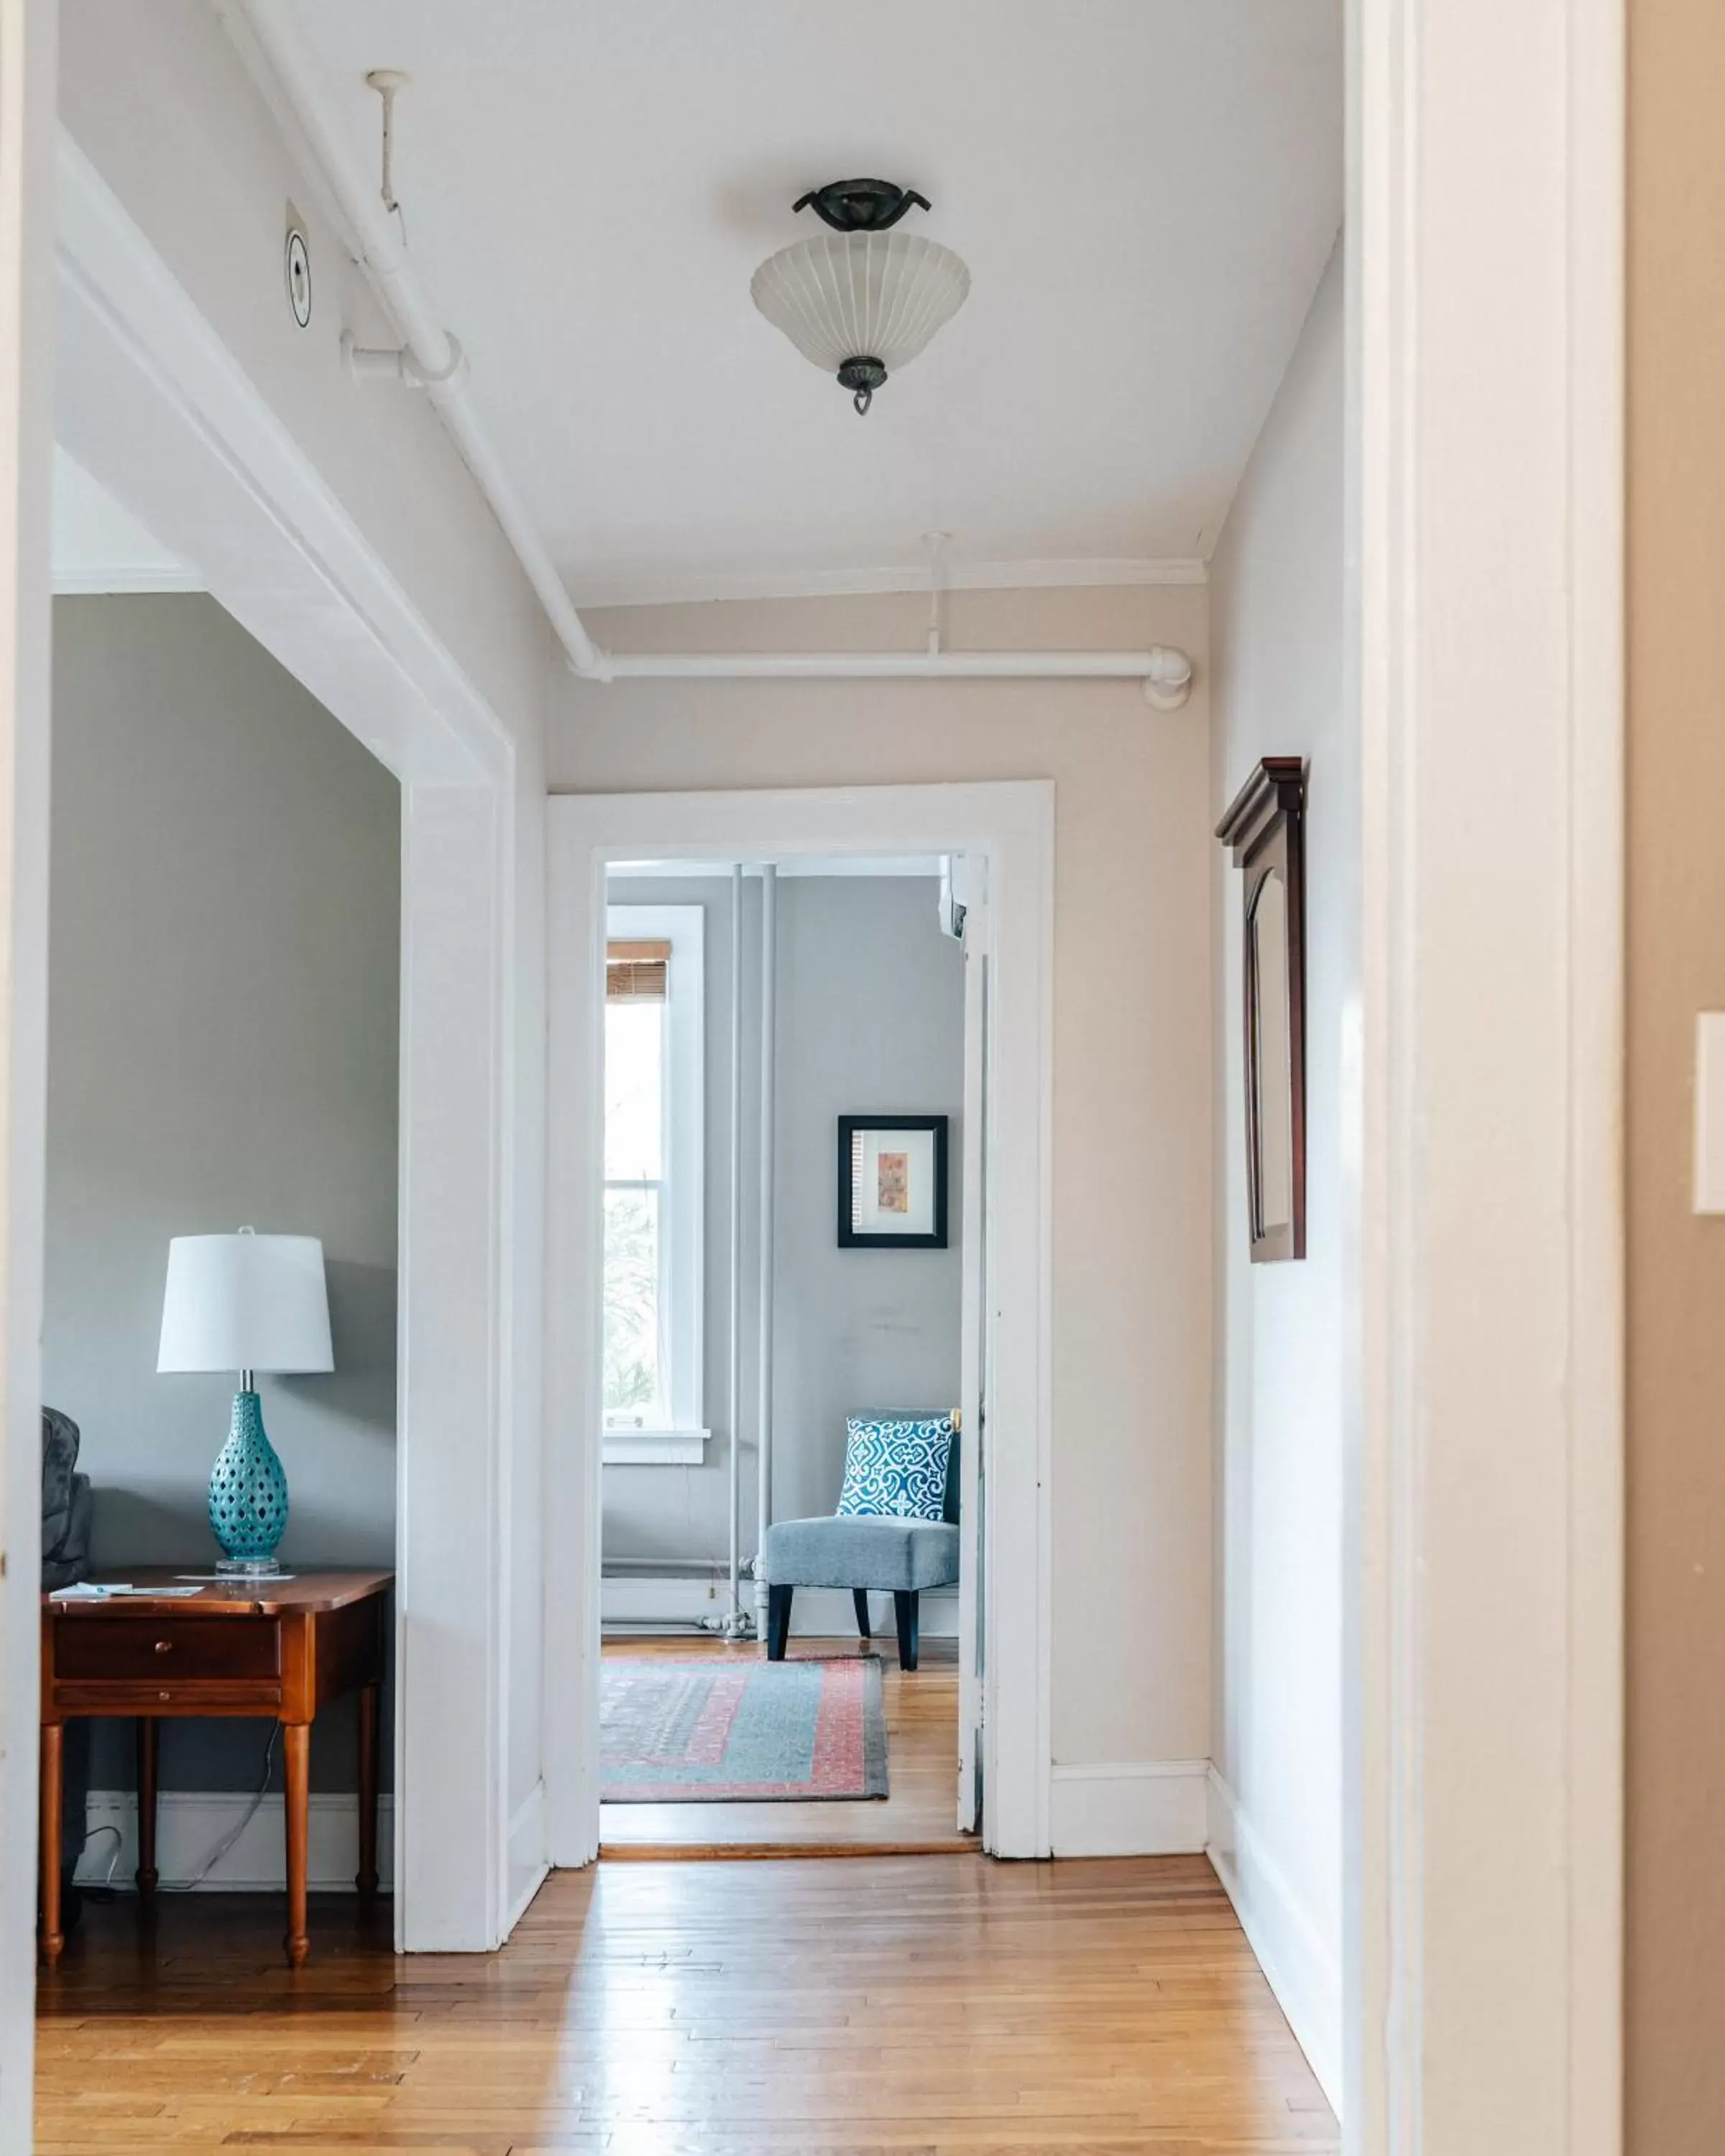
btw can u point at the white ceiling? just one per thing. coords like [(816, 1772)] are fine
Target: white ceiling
[(99, 547), (1146, 191)]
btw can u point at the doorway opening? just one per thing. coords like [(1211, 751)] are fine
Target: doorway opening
[(904, 1409), (785, 1274), (181, 451)]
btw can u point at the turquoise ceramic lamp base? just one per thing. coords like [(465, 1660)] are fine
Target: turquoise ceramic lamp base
[(248, 1493)]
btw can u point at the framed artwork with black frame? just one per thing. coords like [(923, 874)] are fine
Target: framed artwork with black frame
[(1264, 829), (892, 1183)]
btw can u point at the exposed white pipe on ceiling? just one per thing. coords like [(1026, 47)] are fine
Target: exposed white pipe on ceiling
[(1160, 666), (432, 361), (274, 27)]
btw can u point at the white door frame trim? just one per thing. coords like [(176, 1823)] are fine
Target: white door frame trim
[(153, 403), (28, 38), (1483, 1977), (1012, 824)]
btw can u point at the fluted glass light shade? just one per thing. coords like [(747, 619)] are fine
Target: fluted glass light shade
[(861, 303)]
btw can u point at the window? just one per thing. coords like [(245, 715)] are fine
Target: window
[(654, 1101)]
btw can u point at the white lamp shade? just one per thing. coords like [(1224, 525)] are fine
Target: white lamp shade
[(861, 295), (245, 1302)]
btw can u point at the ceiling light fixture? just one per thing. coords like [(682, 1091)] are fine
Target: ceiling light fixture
[(862, 303)]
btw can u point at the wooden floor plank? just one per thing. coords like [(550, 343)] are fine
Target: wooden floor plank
[(919, 2006)]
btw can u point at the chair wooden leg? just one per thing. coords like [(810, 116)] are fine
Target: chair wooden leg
[(778, 1621), (859, 1596), (905, 1607)]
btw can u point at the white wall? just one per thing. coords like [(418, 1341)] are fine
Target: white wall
[(1276, 651), (1131, 1482), (224, 964)]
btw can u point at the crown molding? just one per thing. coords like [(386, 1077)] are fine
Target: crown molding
[(698, 586)]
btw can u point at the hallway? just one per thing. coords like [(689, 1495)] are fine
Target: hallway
[(927, 2004)]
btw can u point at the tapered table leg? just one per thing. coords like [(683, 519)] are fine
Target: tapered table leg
[(296, 1759), (367, 1879), (149, 1730), (53, 1938)]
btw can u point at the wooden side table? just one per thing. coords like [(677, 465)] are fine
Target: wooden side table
[(235, 1648)]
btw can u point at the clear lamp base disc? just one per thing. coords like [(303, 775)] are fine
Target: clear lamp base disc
[(248, 1568)]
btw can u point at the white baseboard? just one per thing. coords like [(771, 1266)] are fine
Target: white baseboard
[(1144, 1808), (1303, 1973), (189, 1823), (823, 1612), (528, 1868)]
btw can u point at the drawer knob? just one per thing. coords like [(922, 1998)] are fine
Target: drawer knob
[(164, 1646), (161, 1695)]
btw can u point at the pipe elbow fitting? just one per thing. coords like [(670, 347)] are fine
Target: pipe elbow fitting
[(1168, 683)]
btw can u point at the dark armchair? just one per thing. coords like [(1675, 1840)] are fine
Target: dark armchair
[(65, 1503)]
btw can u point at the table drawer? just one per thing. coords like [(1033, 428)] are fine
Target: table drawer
[(168, 1650)]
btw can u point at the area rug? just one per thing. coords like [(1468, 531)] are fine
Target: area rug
[(715, 1731)]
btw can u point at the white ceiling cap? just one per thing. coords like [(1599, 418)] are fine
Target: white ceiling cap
[(1145, 193)]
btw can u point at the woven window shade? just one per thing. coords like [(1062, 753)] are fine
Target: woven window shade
[(636, 972)]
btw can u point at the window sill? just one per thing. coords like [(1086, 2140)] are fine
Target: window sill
[(654, 1448)]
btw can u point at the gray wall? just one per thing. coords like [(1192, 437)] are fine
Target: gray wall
[(870, 1017), (223, 992)]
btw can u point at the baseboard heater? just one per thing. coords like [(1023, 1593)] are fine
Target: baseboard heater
[(643, 1613)]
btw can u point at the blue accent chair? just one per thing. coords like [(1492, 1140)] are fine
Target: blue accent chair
[(864, 1551)]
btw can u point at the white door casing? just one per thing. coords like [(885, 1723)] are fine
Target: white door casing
[(1011, 825), (1484, 1575), (152, 403), (974, 1343), (26, 313)]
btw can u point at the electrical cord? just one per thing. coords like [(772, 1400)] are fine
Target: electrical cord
[(106, 1890), (232, 1835), (104, 1893)]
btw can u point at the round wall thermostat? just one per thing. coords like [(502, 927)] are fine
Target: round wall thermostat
[(299, 277)]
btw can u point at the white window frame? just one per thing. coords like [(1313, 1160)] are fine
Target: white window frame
[(683, 1271)]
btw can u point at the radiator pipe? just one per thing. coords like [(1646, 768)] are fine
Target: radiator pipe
[(736, 1622), (764, 1410)]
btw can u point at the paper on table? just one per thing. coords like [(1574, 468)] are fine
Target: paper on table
[(106, 1590)]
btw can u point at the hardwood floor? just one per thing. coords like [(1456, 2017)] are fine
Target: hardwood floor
[(919, 1817), (943, 2005)]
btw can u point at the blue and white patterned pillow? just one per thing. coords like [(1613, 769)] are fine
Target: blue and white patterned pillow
[(897, 1466)]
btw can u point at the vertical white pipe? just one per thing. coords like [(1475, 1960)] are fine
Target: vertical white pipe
[(736, 1401), (769, 1023)]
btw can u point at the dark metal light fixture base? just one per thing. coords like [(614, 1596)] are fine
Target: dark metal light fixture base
[(864, 377), (861, 205)]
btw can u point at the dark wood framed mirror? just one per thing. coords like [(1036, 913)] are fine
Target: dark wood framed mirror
[(1264, 827)]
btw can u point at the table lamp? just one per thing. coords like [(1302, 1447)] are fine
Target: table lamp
[(246, 1302)]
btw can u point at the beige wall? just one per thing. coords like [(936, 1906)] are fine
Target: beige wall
[(1132, 1288), (1677, 967)]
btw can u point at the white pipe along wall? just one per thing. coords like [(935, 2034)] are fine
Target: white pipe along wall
[(769, 1111), (734, 1434), (269, 31)]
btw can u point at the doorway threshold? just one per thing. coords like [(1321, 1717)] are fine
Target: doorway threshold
[(709, 1852)]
